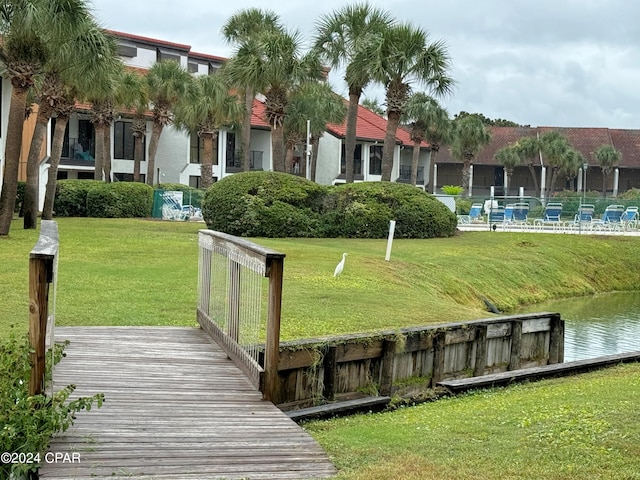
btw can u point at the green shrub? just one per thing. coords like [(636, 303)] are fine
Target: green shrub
[(363, 210), (22, 186), (192, 196), (71, 197), (281, 205), (263, 204), (120, 200), (29, 422), (463, 205)]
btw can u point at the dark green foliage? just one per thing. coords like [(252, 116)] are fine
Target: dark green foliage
[(120, 200), (29, 422), (22, 186), (463, 206), (363, 210), (192, 196), (71, 197), (269, 204)]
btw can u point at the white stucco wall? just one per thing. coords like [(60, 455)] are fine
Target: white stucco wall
[(172, 155), (328, 163), (144, 59)]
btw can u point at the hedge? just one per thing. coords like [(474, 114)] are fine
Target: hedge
[(91, 198), (270, 204)]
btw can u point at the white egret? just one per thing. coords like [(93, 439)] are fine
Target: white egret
[(340, 266)]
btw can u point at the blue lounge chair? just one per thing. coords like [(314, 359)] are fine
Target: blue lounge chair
[(551, 217), (629, 218), (611, 218), (584, 217), (497, 215), (475, 215)]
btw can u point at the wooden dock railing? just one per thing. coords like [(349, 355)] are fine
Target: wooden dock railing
[(43, 268), (230, 298)]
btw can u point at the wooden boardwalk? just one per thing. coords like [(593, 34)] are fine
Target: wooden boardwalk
[(176, 409)]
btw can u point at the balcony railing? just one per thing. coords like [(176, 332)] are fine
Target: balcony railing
[(405, 175), (234, 160)]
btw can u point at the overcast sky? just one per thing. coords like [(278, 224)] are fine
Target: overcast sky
[(565, 63)]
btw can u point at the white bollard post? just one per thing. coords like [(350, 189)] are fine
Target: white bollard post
[(616, 180), (392, 229)]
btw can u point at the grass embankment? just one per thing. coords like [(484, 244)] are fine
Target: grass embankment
[(140, 272), (583, 427)]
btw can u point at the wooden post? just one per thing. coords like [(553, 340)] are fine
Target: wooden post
[(481, 350), (438, 357), (272, 344), (330, 372), (386, 369), (556, 339), (41, 274), (516, 344)]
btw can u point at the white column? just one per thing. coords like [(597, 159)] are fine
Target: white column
[(505, 180), (543, 182), (580, 175), (616, 179), (471, 180), (435, 177), (521, 193)]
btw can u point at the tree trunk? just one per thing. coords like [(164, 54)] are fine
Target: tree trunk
[(106, 162), (393, 119), (153, 148), (99, 128), (552, 183), (206, 167), (288, 159), (509, 175), (33, 171), (277, 148), (414, 163), (12, 158), (604, 185), (315, 141), (246, 130), (56, 153), (350, 140), (138, 152), (466, 174)]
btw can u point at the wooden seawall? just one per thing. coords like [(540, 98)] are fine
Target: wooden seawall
[(176, 409)]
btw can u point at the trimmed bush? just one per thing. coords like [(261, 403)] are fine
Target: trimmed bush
[(120, 200), (363, 210), (71, 197), (264, 204), (269, 204), (191, 196)]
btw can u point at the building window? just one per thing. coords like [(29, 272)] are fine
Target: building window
[(233, 157), (357, 160), (375, 160), (122, 141), (194, 181), (125, 50), (192, 67), (197, 149), (163, 54), (85, 175)]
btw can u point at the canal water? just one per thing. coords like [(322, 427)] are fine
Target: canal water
[(597, 325)]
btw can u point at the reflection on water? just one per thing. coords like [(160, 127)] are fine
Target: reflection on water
[(598, 325)]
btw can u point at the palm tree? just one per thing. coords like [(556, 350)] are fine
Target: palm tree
[(135, 98), (207, 107), (352, 37), (406, 58), (607, 157), (373, 105), (571, 164), (316, 103), (509, 157), (242, 29), (77, 68), (554, 147), (428, 121), (469, 137), (30, 30), (528, 148), (166, 83)]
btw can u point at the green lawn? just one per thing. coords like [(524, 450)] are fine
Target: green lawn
[(583, 427), (142, 272)]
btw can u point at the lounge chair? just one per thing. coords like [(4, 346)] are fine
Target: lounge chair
[(475, 215), (611, 218), (629, 218), (584, 217), (497, 215), (551, 217)]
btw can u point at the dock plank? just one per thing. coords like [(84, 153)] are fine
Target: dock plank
[(175, 408)]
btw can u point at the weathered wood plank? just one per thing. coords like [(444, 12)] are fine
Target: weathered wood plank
[(175, 412)]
